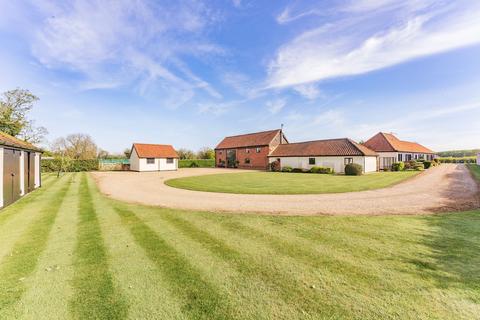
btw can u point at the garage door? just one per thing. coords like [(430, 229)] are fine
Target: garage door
[(11, 176)]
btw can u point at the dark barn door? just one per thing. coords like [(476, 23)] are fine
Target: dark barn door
[(11, 176), (231, 158)]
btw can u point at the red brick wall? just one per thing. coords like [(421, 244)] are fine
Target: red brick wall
[(220, 155)]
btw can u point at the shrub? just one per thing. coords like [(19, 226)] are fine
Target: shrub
[(275, 166), (287, 169), (297, 170), (410, 164), (323, 170), (427, 164), (353, 169), (419, 167), (398, 166)]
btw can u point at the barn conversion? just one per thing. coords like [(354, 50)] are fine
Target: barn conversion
[(332, 153), (258, 150), (248, 151), (390, 149), (20, 167), (153, 157)]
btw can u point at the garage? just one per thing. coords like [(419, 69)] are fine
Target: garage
[(20, 168)]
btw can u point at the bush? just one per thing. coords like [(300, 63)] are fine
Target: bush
[(287, 169), (398, 166), (323, 170), (419, 167), (275, 166), (457, 160), (199, 163), (353, 169), (53, 165), (297, 170), (410, 164), (427, 164)]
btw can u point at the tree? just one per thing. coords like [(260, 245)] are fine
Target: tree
[(14, 107), (206, 153), (76, 146), (103, 154), (127, 152), (185, 154)]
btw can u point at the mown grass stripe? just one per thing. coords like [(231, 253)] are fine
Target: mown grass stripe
[(25, 201), (95, 295), (296, 251), (26, 251), (290, 290), (49, 287), (200, 299)]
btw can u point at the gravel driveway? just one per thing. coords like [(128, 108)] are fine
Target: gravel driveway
[(448, 187)]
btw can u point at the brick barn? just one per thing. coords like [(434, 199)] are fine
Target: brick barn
[(248, 151)]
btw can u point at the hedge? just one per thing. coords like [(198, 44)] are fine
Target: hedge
[(196, 163), (53, 165), (324, 170), (458, 160)]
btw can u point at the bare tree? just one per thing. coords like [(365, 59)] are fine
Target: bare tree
[(185, 154), (76, 146), (206, 153)]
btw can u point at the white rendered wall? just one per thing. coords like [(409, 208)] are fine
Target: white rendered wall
[(38, 173), (22, 173), (1, 175), (134, 161), (336, 163)]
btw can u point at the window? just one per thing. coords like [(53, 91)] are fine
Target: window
[(408, 157), (347, 161), (169, 160), (247, 150), (150, 160), (311, 161), (258, 149), (219, 152), (400, 157), (247, 160)]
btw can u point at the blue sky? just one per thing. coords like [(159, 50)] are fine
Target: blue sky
[(190, 72)]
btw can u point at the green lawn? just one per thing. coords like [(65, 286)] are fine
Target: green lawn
[(288, 183), (475, 170), (68, 252)]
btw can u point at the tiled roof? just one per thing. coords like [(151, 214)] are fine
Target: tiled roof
[(145, 150), (248, 140), (387, 142), (332, 147), (9, 141)]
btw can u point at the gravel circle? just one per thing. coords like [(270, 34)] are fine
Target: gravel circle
[(446, 188)]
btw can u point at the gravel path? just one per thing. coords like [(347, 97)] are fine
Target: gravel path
[(448, 187)]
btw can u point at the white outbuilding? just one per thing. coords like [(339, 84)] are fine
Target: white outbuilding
[(19, 167), (333, 153), (153, 157)]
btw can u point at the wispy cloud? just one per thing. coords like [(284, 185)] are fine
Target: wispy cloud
[(275, 106), (342, 48), (309, 91), (115, 43)]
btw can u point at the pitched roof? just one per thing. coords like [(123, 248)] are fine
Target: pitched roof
[(248, 140), (331, 147), (145, 150), (10, 141), (387, 142)]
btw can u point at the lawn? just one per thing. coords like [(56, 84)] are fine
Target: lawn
[(288, 183), (475, 170), (68, 252)]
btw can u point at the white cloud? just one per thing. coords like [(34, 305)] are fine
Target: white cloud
[(237, 3), (275, 106), (113, 43), (343, 48), (309, 91)]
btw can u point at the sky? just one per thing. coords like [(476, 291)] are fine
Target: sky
[(189, 73)]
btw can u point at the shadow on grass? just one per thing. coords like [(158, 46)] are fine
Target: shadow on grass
[(455, 259)]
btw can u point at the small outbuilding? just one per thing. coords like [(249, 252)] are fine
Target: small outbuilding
[(153, 157), (333, 153), (20, 168)]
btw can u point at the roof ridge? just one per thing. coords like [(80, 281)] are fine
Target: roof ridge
[(308, 141), (247, 134)]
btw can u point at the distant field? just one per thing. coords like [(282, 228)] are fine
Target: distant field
[(288, 183), (68, 252)]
